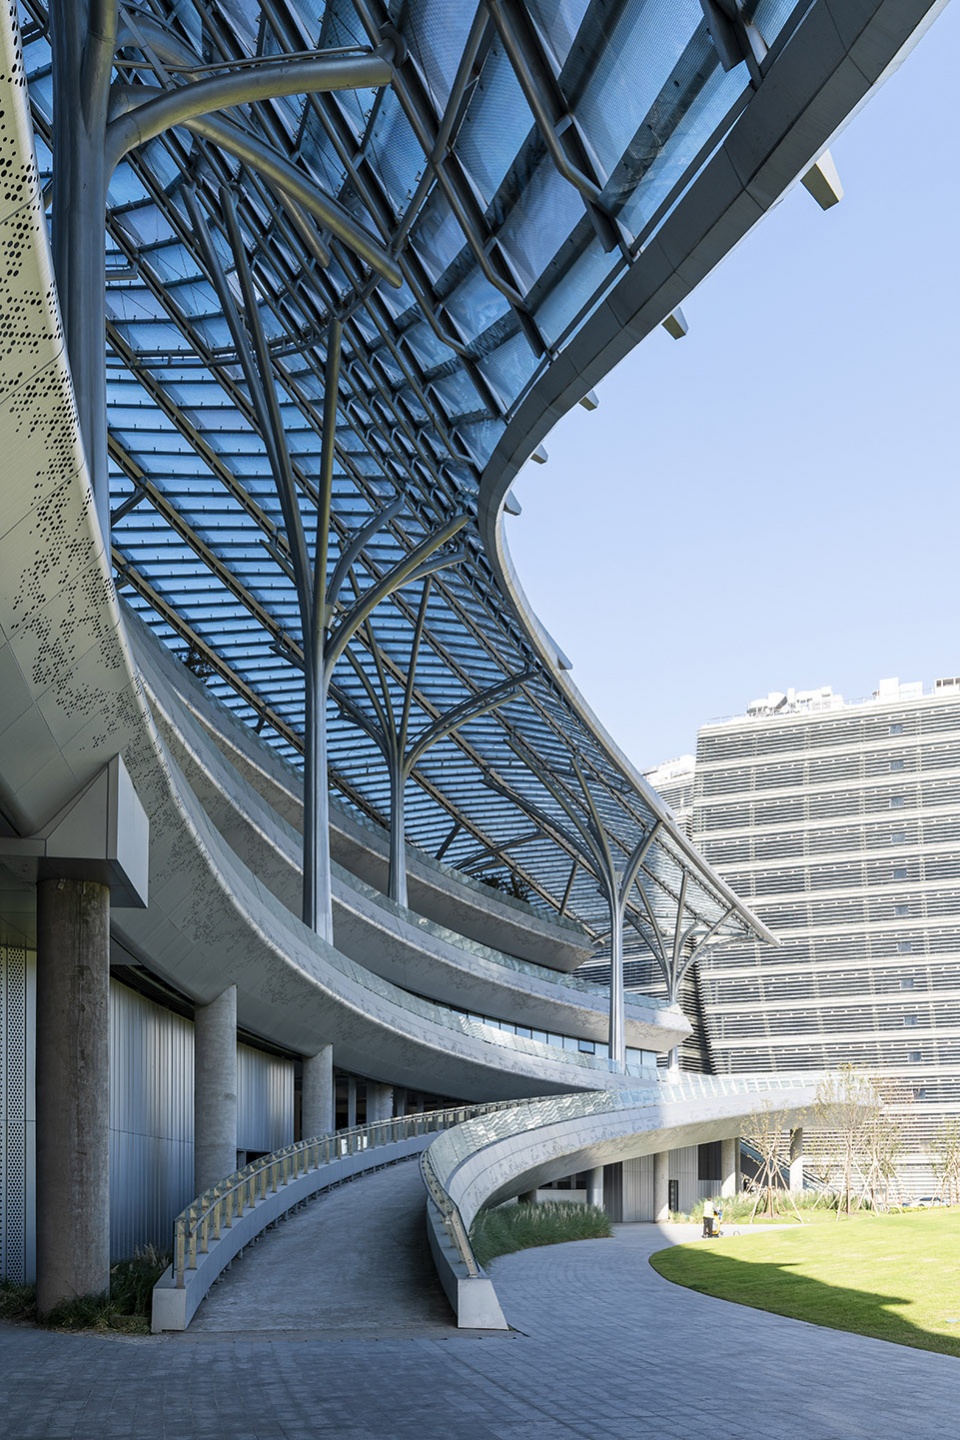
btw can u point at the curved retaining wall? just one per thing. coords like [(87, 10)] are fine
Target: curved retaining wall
[(494, 1157)]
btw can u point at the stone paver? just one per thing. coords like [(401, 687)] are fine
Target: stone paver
[(607, 1351)]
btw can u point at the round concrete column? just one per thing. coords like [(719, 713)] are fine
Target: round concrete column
[(595, 1187), (729, 1156), (379, 1101), (661, 1187), (796, 1161), (316, 1096), (73, 1090), (215, 1090)]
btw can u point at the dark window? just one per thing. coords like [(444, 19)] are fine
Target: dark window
[(901, 909), (899, 872), (914, 1056), (708, 1161), (897, 837), (673, 1194), (906, 982), (896, 728), (896, 764), (911, 1019), (904, 947), (896, 802)]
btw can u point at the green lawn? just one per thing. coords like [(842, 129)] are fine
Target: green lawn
[(896, 1277)]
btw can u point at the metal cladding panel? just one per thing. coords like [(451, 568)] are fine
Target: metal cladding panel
[(264, 1100), (684, 1169), (151, 1121), (18, 970), (638, 1188)]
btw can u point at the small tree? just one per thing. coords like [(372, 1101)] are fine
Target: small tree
[(865, 1135), (768, 1131), (946, 1160)]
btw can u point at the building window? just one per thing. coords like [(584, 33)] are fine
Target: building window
[(896, 728), (709, 1161), (914, 1057), (911, 1019), (920, 1093), (896, 764), (904, 947), (896, 802), (899, 872), (901, 909), (906, 982), (897, 837)]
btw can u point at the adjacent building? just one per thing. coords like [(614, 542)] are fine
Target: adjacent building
[(840, 823)]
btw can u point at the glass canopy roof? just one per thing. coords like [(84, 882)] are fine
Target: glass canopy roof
[(519, 161)]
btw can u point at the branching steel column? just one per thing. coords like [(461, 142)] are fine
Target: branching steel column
[(391, 733), (317, 891), (589, 840), (83, 37), (324, 637)]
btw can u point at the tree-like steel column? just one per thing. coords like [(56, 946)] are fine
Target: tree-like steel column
[(675, 953), (95, 124), (391, 732), (327, 625), (589, 840)]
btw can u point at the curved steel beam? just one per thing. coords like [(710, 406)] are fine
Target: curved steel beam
[(157, 111), (288, 180)]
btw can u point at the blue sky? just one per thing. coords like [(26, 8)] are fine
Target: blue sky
[(773, 500)]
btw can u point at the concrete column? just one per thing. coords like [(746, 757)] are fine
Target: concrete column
[(73, 1090), (529, 1197), (729, 1167), (796, 1160), (351, 1102), (317, 1094), (595, 1187), (215, 1090), (379, 1101), (661, 1187)]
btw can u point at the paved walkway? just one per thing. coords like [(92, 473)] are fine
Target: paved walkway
[(607, 1350)]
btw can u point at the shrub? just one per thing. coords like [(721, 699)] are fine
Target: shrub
[(519, 1227), (126, 1306)]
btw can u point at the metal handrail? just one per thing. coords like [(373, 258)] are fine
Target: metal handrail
[(216, 1209), (452, 1151), (449, 1214)]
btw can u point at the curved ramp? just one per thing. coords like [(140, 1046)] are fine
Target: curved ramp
[(493, 1157), (353, 1263)]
